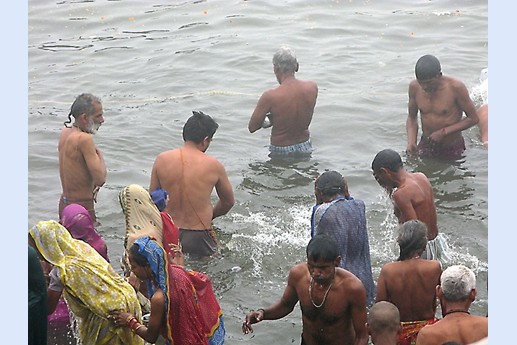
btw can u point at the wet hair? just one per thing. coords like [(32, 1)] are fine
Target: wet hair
[(457, 282), (388, 159), (322, 247), (198, 127), (427, 67), (412, 237), (139, 258), (285, 59), (83, 104), (331, 183), (384, 317)]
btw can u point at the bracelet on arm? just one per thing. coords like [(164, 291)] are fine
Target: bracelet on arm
[(137, 328), (131, 324)]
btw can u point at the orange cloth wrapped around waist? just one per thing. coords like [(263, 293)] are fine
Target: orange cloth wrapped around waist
[(410, 330)]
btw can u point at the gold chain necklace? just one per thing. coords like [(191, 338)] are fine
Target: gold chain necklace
[(324, 296)]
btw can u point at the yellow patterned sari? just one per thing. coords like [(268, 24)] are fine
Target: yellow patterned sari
[(91, 287)]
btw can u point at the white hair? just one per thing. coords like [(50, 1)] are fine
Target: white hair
[(285, 59), (457, 282)]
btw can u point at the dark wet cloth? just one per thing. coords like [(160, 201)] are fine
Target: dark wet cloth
[(87, 204), (345, 221), (37, 322), (198, 243), (451, 152)]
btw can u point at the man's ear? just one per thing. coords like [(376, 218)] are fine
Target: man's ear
[(439, 292), (83, 118), (472, 295)]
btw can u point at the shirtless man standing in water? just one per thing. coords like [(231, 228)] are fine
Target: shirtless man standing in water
[(441, 100), (189, 176), (332, 300), (289, 108), (413, 198), (82, 169)]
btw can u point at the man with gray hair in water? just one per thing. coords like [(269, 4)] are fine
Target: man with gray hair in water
[(288, 108), (410, 282), (82, 169), (457, 291)]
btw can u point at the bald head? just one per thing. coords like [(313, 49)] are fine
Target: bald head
[(384, 317)]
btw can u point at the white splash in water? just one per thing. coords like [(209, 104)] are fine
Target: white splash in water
[(479, 93), (290, 228)]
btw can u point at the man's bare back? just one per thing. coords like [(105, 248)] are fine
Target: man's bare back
[(414, 199), (410, 285), (189, 176), (290, 106), (459, 327)]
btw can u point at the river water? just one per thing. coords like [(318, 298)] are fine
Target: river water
[(153, 62)]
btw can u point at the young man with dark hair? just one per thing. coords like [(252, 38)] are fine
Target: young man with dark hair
[(441, 101), (189, 176), (413, 198), (332, 300)]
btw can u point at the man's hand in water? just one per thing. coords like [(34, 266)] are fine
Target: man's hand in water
[(251, 318)]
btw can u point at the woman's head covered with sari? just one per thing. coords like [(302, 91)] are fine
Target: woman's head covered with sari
[(193, 314), (78, 221), (142, 217), (91, 287)]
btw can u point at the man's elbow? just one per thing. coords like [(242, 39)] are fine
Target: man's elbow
[(227, 205)]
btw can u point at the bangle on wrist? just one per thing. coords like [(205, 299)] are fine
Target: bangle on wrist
[(263, 312), (132, 322), (137, 328)]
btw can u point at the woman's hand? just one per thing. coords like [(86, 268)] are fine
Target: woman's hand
[(176, 254), (120, 318)]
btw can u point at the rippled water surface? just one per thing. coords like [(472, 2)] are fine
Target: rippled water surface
[(153, 62)]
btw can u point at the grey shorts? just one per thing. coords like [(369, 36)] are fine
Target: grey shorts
[(198, 243)]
